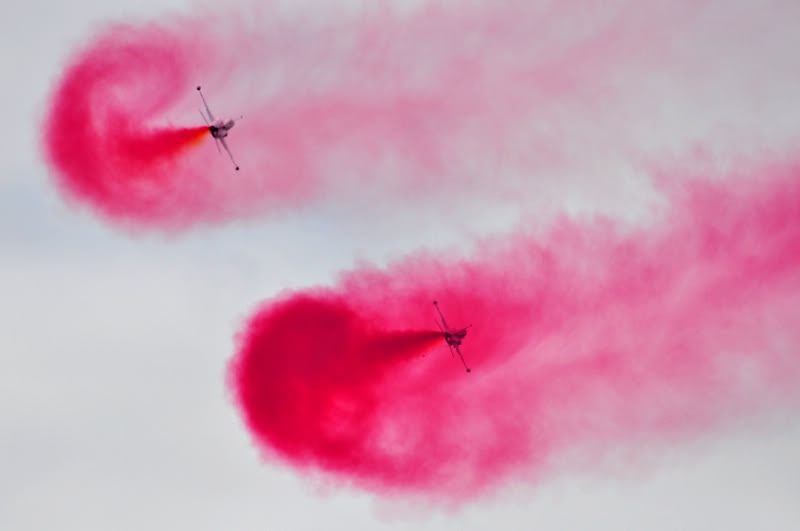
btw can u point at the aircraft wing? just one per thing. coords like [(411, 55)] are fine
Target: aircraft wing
[(435, 303), (460, 356), (208, 109), (225, 145), (204, 117)]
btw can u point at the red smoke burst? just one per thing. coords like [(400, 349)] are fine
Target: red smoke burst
[(315, 394), (587, 338)]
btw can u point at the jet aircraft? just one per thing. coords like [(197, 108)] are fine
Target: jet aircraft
[(218, 128), (452, 336)]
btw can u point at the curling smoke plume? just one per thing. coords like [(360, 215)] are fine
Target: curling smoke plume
[(396, 103), (589, 337), (99, 136)]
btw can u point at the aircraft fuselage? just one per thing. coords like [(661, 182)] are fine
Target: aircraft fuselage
[(455, 338), (219, 128)]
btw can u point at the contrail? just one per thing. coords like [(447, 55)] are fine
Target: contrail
[(591, 336)]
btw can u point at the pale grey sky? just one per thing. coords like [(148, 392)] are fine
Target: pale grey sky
[(113, 410)]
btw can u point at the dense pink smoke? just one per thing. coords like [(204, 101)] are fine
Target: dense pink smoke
[(99, 137), (589, 336), (401, 104)]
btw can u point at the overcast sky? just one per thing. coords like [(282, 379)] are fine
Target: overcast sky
[(113, 410)]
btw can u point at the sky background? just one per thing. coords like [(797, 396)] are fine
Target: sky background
[(113, 408)]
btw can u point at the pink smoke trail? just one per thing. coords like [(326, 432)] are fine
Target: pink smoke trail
[(330, 109), (590, 336)]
